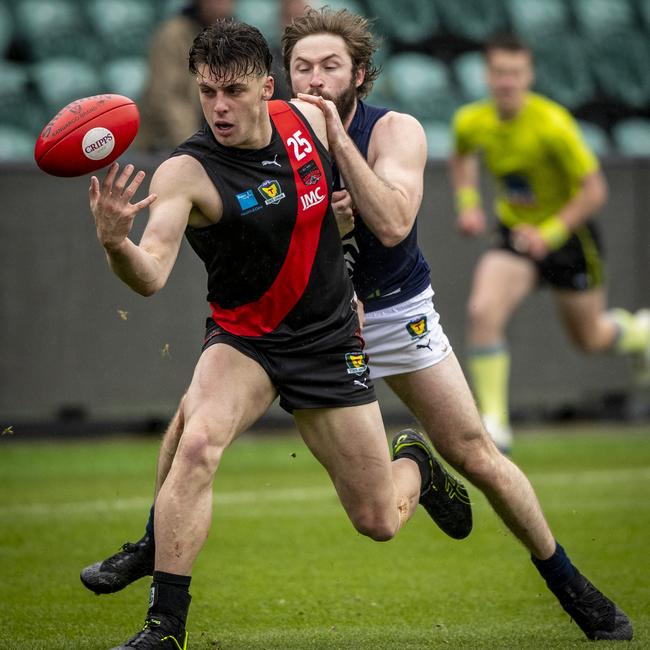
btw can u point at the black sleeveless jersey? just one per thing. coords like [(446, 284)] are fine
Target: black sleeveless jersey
[(274, 259)]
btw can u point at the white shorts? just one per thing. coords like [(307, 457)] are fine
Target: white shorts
[(405, 337)]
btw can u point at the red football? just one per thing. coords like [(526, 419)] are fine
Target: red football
[(86, 135)]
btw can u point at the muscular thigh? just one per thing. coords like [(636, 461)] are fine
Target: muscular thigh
[(228, 393), (441, 400), (350, 442)]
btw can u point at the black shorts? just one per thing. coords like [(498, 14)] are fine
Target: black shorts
[(326, 373), (577, 266)]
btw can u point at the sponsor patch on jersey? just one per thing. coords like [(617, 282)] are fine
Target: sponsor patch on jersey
[(417, 327), (356, 363), (309, 173), (271, 191), (310, 199), (247, 201)]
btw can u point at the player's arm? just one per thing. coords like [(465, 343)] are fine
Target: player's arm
[(464, 174), (389, 186), (591, 196), (144, 267)]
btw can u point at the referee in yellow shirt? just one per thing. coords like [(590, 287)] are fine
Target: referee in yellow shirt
[(549, 185)]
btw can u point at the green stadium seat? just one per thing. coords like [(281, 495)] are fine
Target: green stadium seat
[(439, 139), (14, 91), (410, 22), (60, 81), (53, 28), (472, 19), (469, 70), (169, 8), (621, 65), (18, 106), (380, 95), (632, 137), (351, 5), (16, 144), (264, 15), (420, 85), (644, 13), (124, 26), (6, 28), (126, 76), (562, 71), (537, 20), (597, 17), (596, 137)]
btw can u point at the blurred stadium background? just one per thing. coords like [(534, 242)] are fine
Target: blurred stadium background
[(80, 352)]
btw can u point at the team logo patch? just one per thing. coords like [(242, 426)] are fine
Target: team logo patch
[(356, 363), (309, 173), (271, 191), (417, 328), (247, 201)]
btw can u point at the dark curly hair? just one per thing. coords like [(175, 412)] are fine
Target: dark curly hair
[(231, 50), (353, 29)]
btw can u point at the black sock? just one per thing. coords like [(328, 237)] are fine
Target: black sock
[(148, 531), (557, 570), (422, 460), (170, 597)]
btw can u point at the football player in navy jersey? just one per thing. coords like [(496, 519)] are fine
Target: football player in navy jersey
[(380, 157), (283, 320)]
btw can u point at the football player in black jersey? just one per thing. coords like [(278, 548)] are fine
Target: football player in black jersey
[(282, 322)]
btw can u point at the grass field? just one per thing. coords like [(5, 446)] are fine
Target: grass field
[(283, 567)]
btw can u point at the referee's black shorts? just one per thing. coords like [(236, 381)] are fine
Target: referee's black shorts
[(327, 373), (576, 266)]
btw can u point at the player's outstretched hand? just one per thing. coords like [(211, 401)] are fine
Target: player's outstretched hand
[(111, 204)]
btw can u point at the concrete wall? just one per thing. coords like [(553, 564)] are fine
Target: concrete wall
[(73, 337)]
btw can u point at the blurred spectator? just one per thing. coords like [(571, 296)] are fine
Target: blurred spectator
[(170, 105)]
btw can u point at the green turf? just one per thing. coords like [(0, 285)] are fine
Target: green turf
[(283, 567)]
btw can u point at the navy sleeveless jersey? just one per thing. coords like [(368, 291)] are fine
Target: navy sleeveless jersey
[(382, 276), (274, 259)]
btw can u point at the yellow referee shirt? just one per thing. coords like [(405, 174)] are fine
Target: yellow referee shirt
[(538, 158)]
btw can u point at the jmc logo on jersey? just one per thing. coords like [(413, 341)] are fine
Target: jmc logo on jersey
[(312, 198), (271, 191)]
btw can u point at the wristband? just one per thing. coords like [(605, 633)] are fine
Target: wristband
[(467, 197), (554, 232)]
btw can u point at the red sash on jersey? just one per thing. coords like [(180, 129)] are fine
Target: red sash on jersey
[(265, 314)]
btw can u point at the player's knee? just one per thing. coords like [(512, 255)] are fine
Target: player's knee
[(472, 454), (198, 453), (376, 525), (480, 315)]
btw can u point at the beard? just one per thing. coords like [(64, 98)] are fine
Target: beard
[(345, 102)]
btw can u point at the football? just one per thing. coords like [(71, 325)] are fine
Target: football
[(86, 135)]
